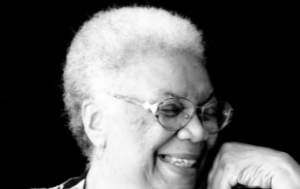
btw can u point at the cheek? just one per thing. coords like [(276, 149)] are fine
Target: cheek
[(150, 136), (142, 127), (136, 130), (142, 122), (211, 141)]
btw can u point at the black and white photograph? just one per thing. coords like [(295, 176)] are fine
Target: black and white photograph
[(149, 95)]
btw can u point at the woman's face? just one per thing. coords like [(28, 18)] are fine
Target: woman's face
[(139, 151)]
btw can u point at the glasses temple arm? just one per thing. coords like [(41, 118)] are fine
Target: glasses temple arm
[(152, 107)]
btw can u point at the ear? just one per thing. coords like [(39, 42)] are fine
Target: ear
[(92, 117)]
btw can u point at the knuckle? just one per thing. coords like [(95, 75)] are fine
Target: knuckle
[(284, 157), (227, 146), (226, 157), (226, 151), (226, 161)]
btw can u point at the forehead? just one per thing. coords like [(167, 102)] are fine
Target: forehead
[(157, 76)]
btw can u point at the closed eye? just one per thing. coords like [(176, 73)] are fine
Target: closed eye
[(170, 110), (211, 111)]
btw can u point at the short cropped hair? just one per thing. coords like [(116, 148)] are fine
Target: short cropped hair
[(105, 43)]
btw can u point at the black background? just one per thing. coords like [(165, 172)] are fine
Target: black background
[(250, 49)]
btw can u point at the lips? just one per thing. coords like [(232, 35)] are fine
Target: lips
[(180, 160)]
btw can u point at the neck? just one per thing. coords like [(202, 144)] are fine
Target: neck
[(103, 176)]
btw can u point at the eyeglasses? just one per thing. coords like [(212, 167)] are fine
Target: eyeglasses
[(175, 113)]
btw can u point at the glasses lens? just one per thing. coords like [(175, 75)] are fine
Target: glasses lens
[(175, 113), (216, 116)]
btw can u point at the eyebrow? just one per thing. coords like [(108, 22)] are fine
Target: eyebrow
[(170, 94), (207, 97)]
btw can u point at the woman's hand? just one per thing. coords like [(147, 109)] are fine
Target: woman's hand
[(253, 166)]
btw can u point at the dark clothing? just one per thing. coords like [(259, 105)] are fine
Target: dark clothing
[(72, 183)]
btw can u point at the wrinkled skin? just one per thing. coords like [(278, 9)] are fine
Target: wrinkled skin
[(253, 166), (130, 136), (128, 139)]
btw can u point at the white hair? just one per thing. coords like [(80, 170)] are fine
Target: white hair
[(105, 44)]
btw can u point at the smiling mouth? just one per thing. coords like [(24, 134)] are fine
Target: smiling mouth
[(179, 162)]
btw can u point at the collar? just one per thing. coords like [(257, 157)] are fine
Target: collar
[(76, 182)]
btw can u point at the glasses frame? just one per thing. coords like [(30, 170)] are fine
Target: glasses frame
[(154, 107)]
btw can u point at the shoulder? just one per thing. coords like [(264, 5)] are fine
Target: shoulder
[(69, 184), (72, 183)]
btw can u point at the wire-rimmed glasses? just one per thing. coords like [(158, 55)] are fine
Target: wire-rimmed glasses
[(175, 113)]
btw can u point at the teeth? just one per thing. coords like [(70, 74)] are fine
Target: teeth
[(180, 162)]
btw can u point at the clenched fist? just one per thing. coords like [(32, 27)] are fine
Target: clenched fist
[(253, 166)]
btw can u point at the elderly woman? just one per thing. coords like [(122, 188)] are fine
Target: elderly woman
[(144, 112)]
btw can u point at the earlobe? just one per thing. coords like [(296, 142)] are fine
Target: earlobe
[(92, 119)]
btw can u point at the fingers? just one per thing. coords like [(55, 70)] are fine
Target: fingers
[(217, 160), (220, 174), (220, 181), (253, 167), (214, 168), (233, 166)]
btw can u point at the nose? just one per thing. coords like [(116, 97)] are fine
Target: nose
[(193, 131)]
